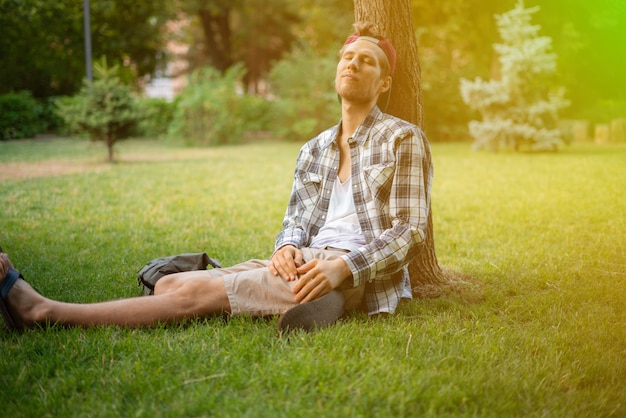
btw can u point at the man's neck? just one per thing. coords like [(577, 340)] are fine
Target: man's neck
[(352, 115)]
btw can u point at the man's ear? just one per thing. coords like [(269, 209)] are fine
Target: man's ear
[(386, 84)]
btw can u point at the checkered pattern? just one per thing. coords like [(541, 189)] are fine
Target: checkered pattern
[(391, 178)]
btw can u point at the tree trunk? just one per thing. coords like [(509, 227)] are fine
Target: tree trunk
[(216, 30), (110, 152), (394, 20), (110, 142)]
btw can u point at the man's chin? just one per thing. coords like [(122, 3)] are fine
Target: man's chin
[(350, 95), (355, 100)]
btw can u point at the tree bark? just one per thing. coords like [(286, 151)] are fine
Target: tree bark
[(394, 20)]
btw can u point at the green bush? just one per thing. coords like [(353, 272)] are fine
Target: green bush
[(210, 111), (256, 112), (306, 101), (105, 109), (158, 114), (20, 116)]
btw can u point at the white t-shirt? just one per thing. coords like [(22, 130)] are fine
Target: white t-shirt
[(342, 228)]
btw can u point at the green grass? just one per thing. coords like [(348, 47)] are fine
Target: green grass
[(539, 329)]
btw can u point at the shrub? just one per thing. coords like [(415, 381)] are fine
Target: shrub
[(210, 111), (257, 113), (158, 114), (20, 116), (105, 109)]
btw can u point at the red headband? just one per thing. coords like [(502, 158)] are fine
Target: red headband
[(382, 43)]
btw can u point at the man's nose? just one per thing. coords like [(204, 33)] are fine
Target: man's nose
[(353, 64)]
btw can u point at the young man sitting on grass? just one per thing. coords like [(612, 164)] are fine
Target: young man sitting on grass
[(357, 214)]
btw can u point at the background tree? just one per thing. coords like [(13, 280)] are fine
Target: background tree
[(520, 107), (42, 42), (254, 32), (105, 109), (40, 60), (395, 20)]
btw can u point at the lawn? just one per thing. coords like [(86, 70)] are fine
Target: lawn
[(537, 327)]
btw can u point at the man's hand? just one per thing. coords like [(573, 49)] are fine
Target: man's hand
[(318, 277), (285, 261)]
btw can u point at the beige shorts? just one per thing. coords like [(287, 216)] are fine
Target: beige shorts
[(253, 290)]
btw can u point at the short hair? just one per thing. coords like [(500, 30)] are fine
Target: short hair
[(369, 30)]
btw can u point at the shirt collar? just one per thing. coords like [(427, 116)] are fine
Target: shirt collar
[(362, 132)]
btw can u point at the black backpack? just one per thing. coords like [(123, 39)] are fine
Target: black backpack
[(159, 267)]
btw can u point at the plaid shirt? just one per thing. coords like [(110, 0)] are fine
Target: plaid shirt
[(391, 179)]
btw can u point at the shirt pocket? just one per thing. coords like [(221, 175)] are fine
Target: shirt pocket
[(379, 179), (308, 189)]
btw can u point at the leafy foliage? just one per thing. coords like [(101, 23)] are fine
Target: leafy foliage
[(520, 108), (20, 116), (105, 109)]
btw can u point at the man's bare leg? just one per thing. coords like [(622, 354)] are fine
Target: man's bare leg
[(182, 296)]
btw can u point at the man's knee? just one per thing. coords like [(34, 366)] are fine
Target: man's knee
[(167, 284), (201, 295)]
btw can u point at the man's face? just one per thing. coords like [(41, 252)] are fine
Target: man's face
[(359, 72)]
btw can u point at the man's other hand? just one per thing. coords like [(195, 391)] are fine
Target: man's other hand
[(318, 277), (285, 262)]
